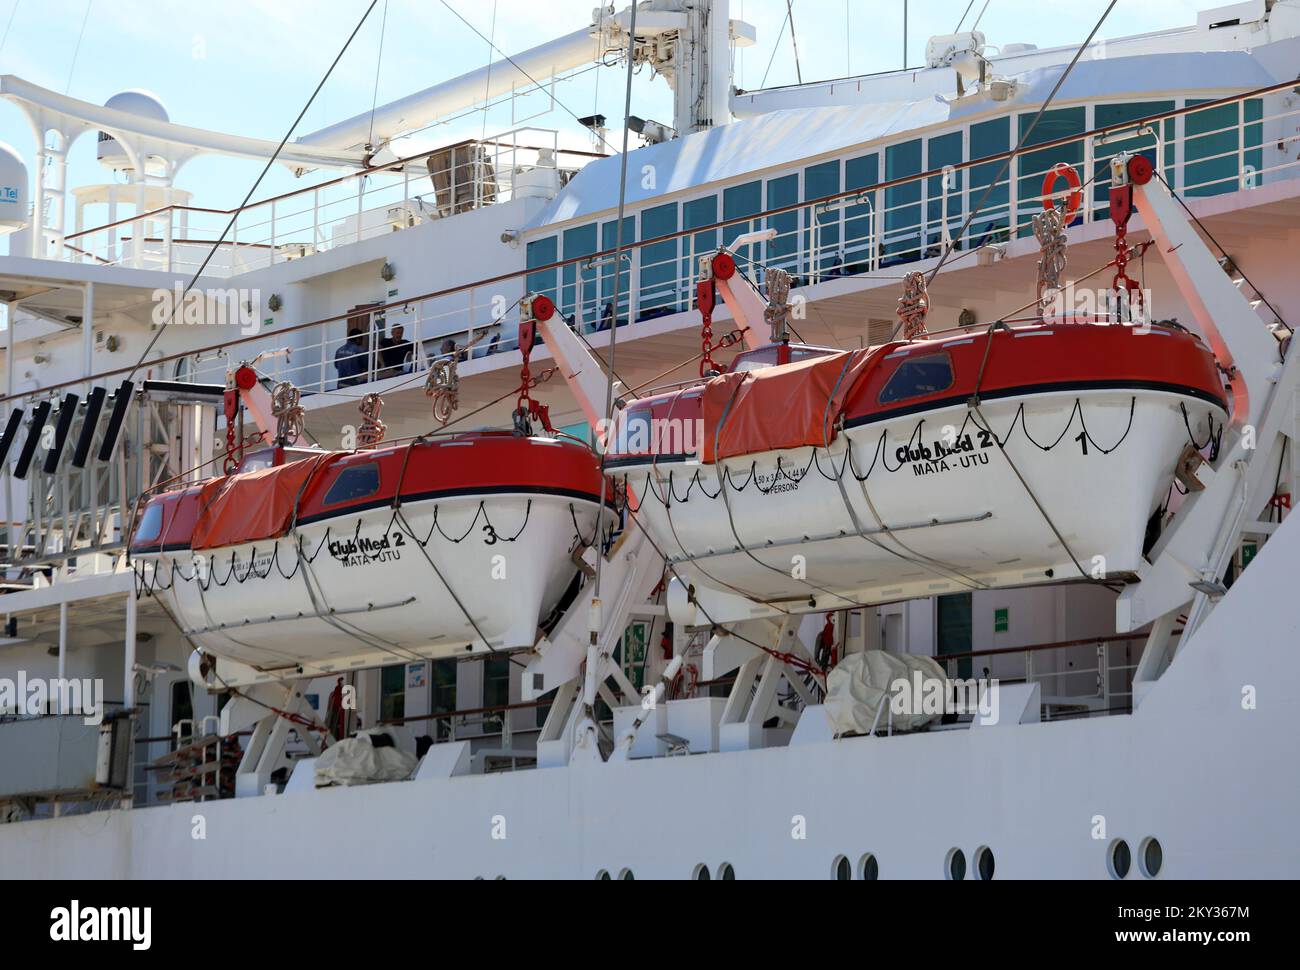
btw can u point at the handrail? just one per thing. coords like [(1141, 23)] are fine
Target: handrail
[(359, 173), (1033, 648), (666, 237)]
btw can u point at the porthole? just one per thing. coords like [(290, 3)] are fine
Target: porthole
[(868, 868), (701, 873), (626, 875), (603, 876), (841, 868), (1119, 859), (984, 862), (1152, 857), (955, 865), (726, 872)]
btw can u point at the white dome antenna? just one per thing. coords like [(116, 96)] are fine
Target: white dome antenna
[(13, 190), (139, 102)]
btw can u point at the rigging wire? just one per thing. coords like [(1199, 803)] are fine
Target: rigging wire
[(12, 13), (1024, 138), (975, 25), (487, 87), (957, 29), (618, 280), (158, 331), (798, 71), (76, 50), (516, 66), (379, 62), (775, 47)]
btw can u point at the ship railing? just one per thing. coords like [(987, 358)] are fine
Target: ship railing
[(377, 200), (1076, 678), (878, 232)]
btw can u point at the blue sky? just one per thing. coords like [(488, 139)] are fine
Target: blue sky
[(247, 66)]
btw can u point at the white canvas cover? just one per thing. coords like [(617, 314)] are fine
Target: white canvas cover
[(356, 761), (862, 682)]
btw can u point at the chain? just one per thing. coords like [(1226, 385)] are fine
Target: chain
[(1049, 229), (372, 429), (526, 409), (1124, 285), (913, 306), (705, 297)]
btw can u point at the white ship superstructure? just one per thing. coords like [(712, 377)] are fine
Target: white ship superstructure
[(698, 711)]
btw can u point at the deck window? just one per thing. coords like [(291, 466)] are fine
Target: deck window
[(903, 203), (696, 213), (739, 201), (988, 138), (1032, 166), (442, 695), (1117, 115), (496, 683), (943, 192), (783, 251), (917, 377), (578, 296), (860, 218), (609, 243), (826, 257), (1216, 157), (150, 526), (658, 294), (392, 692), (354, 484), (543, 252)]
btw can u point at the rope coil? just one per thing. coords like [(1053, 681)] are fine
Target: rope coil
[(913, 306), (288, 413), (1049, 230), (372, 429)]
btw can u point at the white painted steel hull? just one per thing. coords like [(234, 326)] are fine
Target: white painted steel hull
[(364, 592), (959, 521)]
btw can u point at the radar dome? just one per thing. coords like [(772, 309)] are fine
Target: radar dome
[(13, 190), (146, 104)]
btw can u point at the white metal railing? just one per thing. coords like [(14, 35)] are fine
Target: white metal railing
[(873, 230), (431, 185), (1077, 677)]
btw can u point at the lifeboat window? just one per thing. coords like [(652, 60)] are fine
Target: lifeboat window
[(917, 377), (353, 484), (150, 526)]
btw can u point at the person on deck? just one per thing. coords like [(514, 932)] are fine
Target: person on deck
[(350, 361), (395, 351)]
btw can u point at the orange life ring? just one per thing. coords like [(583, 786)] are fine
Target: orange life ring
[(1066, 171)]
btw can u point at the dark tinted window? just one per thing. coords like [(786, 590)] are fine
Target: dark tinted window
[(150, 523), (353, 484), (918, 376)]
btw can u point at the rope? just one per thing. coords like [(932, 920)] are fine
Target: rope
[(158, 331), (288, 413), (372, 429)]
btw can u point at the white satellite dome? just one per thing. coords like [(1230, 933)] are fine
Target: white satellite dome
[(137, 101), (13, 189)]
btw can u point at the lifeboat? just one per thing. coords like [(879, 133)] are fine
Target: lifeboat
[(1043, 453), (320, 560)]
